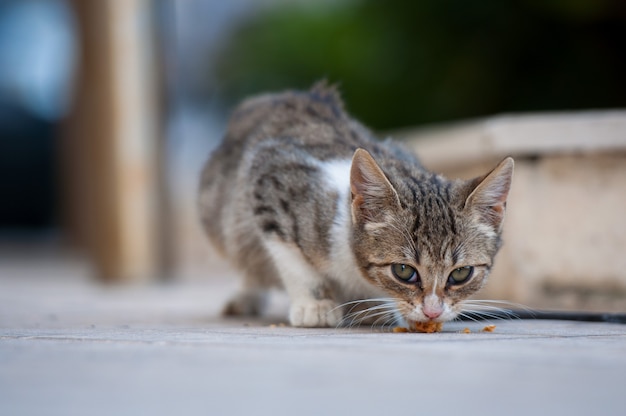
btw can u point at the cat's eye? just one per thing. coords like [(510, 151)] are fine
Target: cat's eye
[(460, 275), (405, 273)]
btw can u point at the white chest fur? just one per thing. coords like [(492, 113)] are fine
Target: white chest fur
[(343, 268)]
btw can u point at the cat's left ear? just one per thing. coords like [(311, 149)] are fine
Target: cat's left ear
[(489, 196), (372, 193)]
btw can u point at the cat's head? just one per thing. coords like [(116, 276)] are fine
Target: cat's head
[(428, 242)]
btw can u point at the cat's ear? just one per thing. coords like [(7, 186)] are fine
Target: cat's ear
[(372, 193), (488, 197)]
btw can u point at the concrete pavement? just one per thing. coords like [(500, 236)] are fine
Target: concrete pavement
[(70, 347)]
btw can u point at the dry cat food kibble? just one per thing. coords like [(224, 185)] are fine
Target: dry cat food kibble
[(428, 327), (424, 327), (488, 328), (399, 329)]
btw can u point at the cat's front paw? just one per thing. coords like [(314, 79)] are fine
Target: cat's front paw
[(315, 313)]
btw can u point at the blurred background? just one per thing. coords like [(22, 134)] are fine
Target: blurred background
[(108, 108)]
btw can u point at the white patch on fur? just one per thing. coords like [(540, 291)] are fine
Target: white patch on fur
[(301, 279), (343, 268), (298, 275), (337, 174)]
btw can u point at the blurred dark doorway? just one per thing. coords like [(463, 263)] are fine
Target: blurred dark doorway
[(37, 53)]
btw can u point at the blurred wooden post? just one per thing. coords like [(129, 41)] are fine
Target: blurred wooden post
[(111, 146)]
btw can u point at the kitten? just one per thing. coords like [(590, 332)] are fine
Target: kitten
[(301, 196)]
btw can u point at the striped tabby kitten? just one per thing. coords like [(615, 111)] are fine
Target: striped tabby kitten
[(301, 196)]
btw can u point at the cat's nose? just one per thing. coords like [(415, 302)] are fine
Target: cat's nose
[(433, 307), (432, 314)]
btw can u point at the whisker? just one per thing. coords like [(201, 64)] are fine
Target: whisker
[(466, 316), (351, 318), (387, 320), (487, 315), (498, 302), (365, 314), (380, 315), (358, 317), (359, 301), (487, 308), (484, 309), (392, 321)]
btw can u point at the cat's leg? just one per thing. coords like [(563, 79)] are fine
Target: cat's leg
[(251, 300), (311, 295), (259, 276)]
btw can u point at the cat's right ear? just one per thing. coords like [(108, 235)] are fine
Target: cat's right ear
[(372, 193), (489, 196)]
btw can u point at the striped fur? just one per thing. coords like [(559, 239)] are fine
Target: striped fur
[(301, 196)]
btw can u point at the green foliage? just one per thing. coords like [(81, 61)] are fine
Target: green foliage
[(407, 62)]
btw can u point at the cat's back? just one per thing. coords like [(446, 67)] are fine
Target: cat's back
[(314, 120), (276, 130), (310, 120)]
